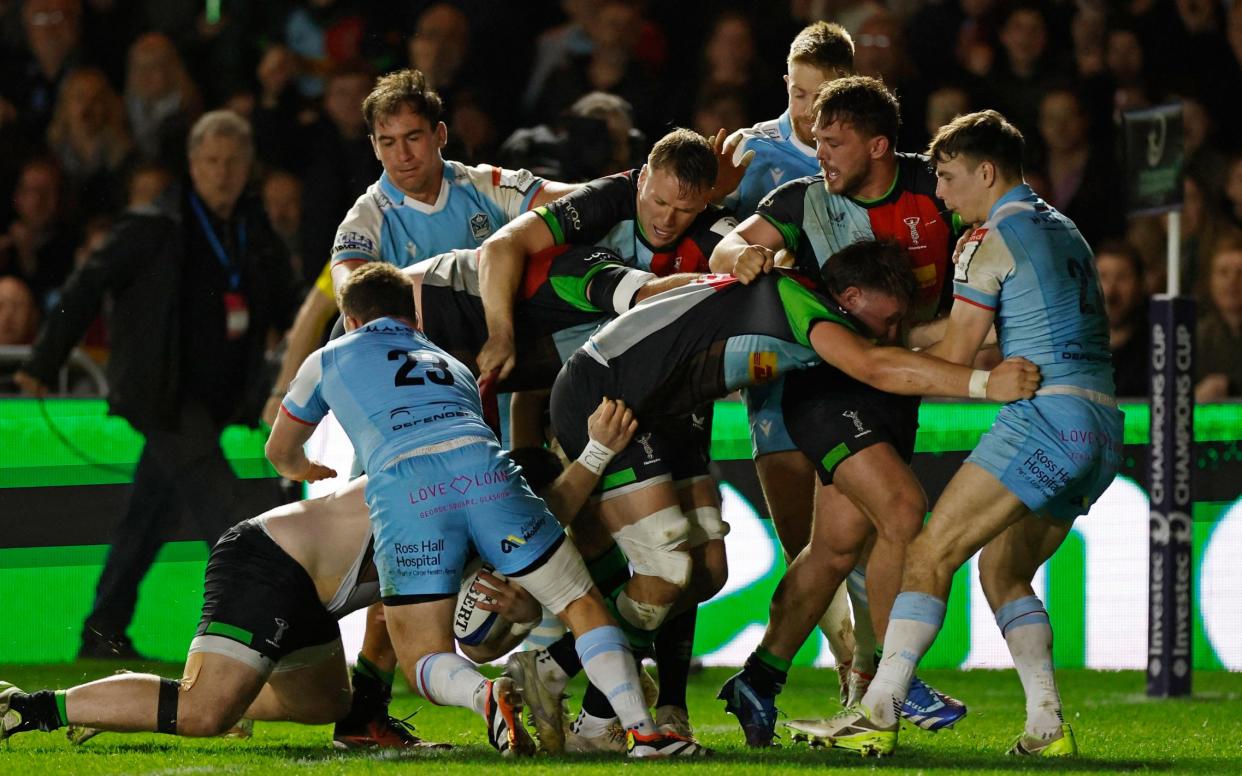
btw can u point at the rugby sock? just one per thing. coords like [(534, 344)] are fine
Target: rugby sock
[(447, 679), (915, 621), (610, 666), (836, 627), (43, 710), (865, 643), (766, 672), (674, 646), (595, 703), (1024, 624), (590, 726), (366, 668), (559, 661)]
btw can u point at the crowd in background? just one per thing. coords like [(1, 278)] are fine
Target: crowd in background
[(97, 96)]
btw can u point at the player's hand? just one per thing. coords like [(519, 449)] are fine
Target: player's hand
[(1016, 378), (754, 261), (961, 242), (30, 385), (612, 424), (497, 356), (315, 472), (508, 599), (730, 167)]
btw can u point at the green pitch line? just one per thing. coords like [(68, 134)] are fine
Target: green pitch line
[(1118, 730)]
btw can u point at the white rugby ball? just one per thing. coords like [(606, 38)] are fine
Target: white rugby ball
[(472, 625)]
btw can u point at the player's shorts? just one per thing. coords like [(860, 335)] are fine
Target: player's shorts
[(831, 416), (669, 449), (1057, 452), (261, 607), (428, 510), (768, 433)]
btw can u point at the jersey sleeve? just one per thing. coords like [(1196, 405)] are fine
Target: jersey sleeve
[(594, 283), (358, 236), (586, 215), (511, 190), (711, 227), (783, 208), (304, 402), (983, 265), (613, 287), (804, 308)]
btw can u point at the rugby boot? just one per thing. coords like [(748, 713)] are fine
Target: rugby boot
[(931, 709), (660, 744), (503, 712), (545, 702), (852, 729), (755, 713), (1061, 745)]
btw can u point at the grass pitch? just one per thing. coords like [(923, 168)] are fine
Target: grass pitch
[(1118, 729)]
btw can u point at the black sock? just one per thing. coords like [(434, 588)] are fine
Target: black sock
[(564, 652), (595, 703), (674, 646), (38, 710), (766, 678), (371, 697)]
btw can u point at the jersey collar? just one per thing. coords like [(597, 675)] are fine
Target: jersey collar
[(1016, 194), (785, 125), (397, 196)]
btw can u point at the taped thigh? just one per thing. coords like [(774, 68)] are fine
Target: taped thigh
[(652, 545), (559, 581)]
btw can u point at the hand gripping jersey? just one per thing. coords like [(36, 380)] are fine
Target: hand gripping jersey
[(697, 343), (815, 223), (604, 213), (385, 225), (566, 291), (1030, 264), (391, 389), (779, 158)]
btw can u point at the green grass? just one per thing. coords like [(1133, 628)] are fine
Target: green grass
[(1118, 728)]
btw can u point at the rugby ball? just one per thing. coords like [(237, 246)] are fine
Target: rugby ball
[(472, 625)]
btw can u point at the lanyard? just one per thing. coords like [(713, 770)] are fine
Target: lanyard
[(234, 271)]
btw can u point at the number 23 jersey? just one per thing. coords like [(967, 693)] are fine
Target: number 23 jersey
[(391, 389)]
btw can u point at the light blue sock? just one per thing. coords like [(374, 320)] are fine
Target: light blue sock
[(609, 664), (912, 627)]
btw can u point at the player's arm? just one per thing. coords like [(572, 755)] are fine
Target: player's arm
[(668, 283), (981, 264), (502, 259), (901, 371), (316, 311), (610, 429), (552, 190), (513, 604), (300, 413), (967, 329), (749, 250)]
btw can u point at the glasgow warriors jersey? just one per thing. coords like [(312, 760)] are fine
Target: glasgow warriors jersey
[(700, 341), (779, 158), (1030, 264), (815, 223), (605, 213), (391, 390)]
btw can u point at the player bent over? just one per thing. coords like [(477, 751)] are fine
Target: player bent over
[(439, 483), (268, 646), (1027, 269)]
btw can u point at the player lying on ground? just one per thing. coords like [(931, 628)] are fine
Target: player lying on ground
[(284, 577), (439, 483), (1044, 461)]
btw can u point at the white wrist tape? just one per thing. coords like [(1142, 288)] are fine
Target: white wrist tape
[(979, 383), (595, 457)]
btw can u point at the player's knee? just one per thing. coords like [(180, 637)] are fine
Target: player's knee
[(656, 546), (903, 511), (204, 720), (710, 571)]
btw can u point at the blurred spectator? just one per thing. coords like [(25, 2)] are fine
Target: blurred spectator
[(558, 45), (954, 38), (195, 300), (149, 186), (1232, 190), (943, 105), (282, 201), (1125, 302), (596, 137), (1082, 181), (278, 115), (19, 316), (31, 79), (340, 164), (1125, 59), (321, 33), (1202, 50), (1089, 33), (160, 100), (89, 139), (880, 52), (439, 46), (721, 107), (37, 246), (1023, 71), (1218, 367), (732, 70)]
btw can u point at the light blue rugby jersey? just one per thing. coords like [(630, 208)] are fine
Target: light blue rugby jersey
[(1030, 264), (385, 225), (779, 157), (391, 389)]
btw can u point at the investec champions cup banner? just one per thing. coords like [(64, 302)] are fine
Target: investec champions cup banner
[(1096, 587)]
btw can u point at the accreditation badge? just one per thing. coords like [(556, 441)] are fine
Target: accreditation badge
[(236, 315)]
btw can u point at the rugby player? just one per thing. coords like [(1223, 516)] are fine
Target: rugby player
[(421, 206), (852, 435), (1027, 269), (657, 218), (267, 645), (438, 484)]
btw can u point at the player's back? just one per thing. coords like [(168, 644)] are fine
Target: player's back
[(1049, 309), (393, 391)]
